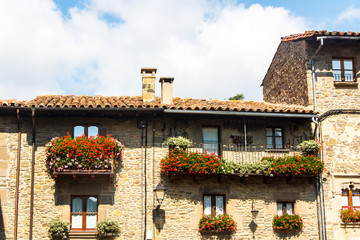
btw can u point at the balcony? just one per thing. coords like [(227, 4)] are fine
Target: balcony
[(245, 153)]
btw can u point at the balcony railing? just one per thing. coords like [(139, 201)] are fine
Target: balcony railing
[(244, 154)]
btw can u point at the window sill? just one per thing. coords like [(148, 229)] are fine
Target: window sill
[(346, 84), (350, 224)]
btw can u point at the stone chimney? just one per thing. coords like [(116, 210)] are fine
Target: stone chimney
[(148, 84), (166, 90)]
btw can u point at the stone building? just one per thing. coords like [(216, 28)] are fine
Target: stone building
[(321, 69), (240, 131)]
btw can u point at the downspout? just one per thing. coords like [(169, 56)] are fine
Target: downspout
[(313, 71), (245, 142), (145, 180), (32, 173), (153, 172), (17, 176), (322, 191), (142, 178)]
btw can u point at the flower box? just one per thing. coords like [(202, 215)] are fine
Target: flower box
[(217, 224), (83, 156), (287, 222), (215, 232), (349, 214)]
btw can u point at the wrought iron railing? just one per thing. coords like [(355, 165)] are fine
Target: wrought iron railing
[(244, 153)]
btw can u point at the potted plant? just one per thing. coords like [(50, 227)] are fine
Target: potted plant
[(58, 229), (287, 222), (178, 143), (310, 147), (217, 224), (107, 229), (349, 214)]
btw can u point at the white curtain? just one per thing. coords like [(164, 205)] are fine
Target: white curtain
[(356, 199), (289, 209), (344, 198), (76, 220), (279, 209), (207, 205), (219, 205), (210, 140)]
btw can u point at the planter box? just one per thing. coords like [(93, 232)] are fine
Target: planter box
[(88, 172), (215, 232)]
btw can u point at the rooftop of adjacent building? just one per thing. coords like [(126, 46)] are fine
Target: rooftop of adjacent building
[(314, 33)]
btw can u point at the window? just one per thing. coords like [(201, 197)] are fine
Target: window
[(83, 212), (285, 207), (211, 139), (343, 70), (214, 205), (350, 198), (274, 138), (85, 129)]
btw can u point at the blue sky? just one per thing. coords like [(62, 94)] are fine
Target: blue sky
[(214, 49)]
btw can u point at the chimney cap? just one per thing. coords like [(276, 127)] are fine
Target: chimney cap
[(166, 79), (148, 70)]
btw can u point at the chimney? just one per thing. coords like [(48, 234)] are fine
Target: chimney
[(148, 84), (166, 90)]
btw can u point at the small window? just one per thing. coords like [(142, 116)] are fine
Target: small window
[(214, 205), (343, 70), (87, 130), (211, 139), (84, 212), (274, 138), (285, 207), (350, 198)]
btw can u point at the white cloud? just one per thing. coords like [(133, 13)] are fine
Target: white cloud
[(213, 50), (351, 13)]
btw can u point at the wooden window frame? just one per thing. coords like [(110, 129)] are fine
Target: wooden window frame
[(213, 202), (219, 137), (86, 126), (349, 194), (84, 198), (284, 206), (342, 68), (274, 137)]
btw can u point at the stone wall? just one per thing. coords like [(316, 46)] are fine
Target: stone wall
[(124, 199), (285, 81)]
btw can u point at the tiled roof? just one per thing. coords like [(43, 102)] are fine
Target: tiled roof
[(127, 102), (308, 34)]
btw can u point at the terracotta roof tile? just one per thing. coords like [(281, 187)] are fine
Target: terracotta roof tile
[(312, 33), (101, 102)]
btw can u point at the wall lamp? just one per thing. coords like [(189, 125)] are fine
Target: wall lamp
[(160, 193)]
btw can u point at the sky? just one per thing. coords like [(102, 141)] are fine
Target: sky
[(214, 49)]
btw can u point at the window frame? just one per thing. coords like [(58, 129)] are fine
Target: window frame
[(213, 203), (274, 138), (219, 152), (86, 128), (284, 207), (349, 194), (342, 68), (84, 213)]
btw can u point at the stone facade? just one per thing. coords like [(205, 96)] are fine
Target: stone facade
[(338, 129), (124, 199)]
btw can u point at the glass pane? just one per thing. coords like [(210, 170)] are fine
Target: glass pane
[(268, 132), (269, 142), (348, 64), (278, 142), (219, 205), (93, 131), (210, 140), (349, 76), (278, 132), (91, 205), (76, 221), (90, 220), (344, 198), (279, 209), (336, 64), (356, 198), (76, 205), (79, 131), (207, 205), (289, 209), (337, 75)]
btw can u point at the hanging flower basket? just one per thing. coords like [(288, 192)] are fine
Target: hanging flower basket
[(82, 153)]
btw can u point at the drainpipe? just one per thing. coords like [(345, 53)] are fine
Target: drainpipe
[(32, 173), (245, 142), (17, 176), (313, 70), (145, 180)]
